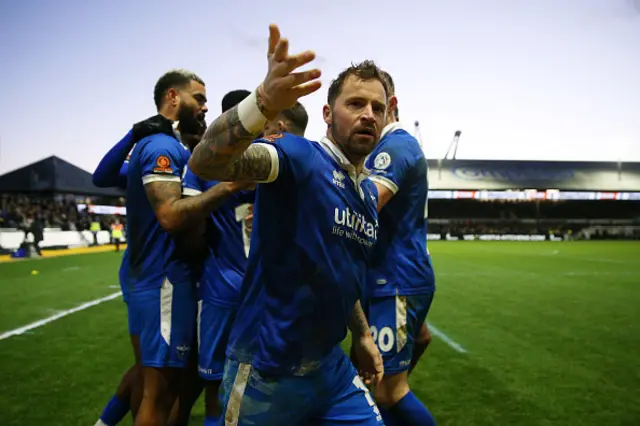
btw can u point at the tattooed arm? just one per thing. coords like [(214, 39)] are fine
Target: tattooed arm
[(364, 349), (358, 321), (225, 152), (175, 213)]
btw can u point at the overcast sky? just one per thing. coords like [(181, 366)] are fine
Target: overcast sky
[(543, 79)]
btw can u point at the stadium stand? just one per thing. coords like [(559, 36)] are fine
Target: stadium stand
[(53, 175), (484, 199), (49, 204), (469, 199)]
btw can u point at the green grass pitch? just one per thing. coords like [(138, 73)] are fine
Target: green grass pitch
[(551, 334)]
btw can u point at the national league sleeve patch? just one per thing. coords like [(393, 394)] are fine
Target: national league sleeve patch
[(163, 165), (273, 138), (382, 161)]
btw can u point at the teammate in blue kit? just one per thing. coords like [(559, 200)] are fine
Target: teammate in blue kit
[(111, 172), (314, 228), (400, 280), (225, 267), (162, 270)]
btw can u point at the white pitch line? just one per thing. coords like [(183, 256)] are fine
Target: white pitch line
[(45, 321), (71, 268), (449, 341)]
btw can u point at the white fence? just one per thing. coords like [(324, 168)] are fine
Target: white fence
[(12, 238)]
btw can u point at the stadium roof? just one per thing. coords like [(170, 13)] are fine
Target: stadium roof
[(53, 175), (508, 174)]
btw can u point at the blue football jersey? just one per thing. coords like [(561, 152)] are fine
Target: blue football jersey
[(153, 254), (314, 228), (400, 263), (228, 245)]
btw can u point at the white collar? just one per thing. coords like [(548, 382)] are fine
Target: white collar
[(390, 128), (345, 164), (340, 158)]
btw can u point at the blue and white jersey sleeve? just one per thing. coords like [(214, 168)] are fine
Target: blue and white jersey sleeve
[(161, 160), (390, 163), (191, 184), (291, 157)]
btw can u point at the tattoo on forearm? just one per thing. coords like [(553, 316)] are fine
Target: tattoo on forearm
[(222, 143), (175, 213), (358, 321), (196, 208)]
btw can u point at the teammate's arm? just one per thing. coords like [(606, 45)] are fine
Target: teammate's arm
[(227, 138), (389, 169), (175, 213), (112, 169), (384, 195)]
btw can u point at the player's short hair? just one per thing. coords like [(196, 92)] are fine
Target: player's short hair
[(365, 70), (233, 98), (392, 90), (173, 79), (297, 119)]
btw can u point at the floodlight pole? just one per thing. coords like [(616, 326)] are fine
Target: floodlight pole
[(453, 146)]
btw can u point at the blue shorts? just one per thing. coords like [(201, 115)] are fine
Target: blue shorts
[(124, 288), (333, 396), (214, 326), (134, 323), (126, 295), (123, 273), (165, 319), (395, 322)]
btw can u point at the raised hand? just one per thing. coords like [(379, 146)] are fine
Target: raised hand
[(282, 87)]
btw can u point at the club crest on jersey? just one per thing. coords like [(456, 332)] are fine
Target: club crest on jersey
[(274, 137), (338, 178), (163, 165), (382, 161)]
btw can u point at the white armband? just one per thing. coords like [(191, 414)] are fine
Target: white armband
[(250, 115)]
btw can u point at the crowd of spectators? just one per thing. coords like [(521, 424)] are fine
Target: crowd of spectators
[(20, 210), (454, 217), (60, 212)]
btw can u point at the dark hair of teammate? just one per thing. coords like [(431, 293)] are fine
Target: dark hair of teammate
[(296, 119), (174, 79), (365, 70), (293, 120), (391, 92), (233, 98)]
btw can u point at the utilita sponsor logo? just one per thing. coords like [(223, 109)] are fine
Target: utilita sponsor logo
[(357, 226)]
